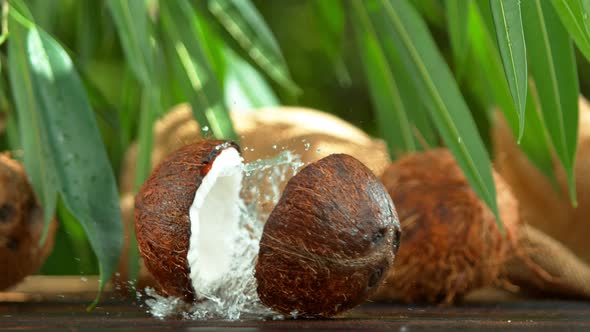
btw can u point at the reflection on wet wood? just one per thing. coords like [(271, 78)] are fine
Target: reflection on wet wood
[(54, 288), (60, 303), (527, 316)]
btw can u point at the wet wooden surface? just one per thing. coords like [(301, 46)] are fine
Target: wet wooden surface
[(35, 305), (119, 316)]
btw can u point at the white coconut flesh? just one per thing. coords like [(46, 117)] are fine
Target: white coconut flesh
[(214, 217)]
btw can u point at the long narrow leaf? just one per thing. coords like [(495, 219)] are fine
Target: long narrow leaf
[(330, 18), (534, 141), (586, 14), (448, 109), (431, 10), (64, 152), (132, 22), (134, 30), (245, 87), (392, 117), (554, 70), (458, 24), (243, 21), (511, 42), (575, 16), (183, 27)]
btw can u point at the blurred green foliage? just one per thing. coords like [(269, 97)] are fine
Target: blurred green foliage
[(432, 80)]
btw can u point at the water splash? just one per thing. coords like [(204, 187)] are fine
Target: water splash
[(235, 297)]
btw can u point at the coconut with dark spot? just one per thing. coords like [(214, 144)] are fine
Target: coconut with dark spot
[(329, 242), (21, 226), (451, 244)]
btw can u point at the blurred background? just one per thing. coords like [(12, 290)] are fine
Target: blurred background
[(379, 65)]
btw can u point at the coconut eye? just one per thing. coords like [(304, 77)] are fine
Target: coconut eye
[(6, 212), (20, 225), (378, 236)]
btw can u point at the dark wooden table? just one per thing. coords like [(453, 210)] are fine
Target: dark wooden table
[(36, 305), (120, 316)]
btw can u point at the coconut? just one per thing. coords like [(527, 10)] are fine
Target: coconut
[(309, 133), (185, 212), (325, 248), (264, 133), (451, 243), (544, 206), (329, 242), (21, 226)]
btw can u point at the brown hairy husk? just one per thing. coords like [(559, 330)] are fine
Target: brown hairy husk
[(265, 132), (162, 223), (451, 242), (21, 226), (329, 242)]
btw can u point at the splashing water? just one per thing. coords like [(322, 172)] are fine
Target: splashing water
[(236, 296)]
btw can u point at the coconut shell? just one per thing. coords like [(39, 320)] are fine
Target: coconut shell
[(21, 226), (329, 242), (260, 131), (451, 243), (543, 206), (120, 279), (162, 223)]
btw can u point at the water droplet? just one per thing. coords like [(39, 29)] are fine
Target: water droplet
[(307, 145), (319, 150), (274, 147), (205, 129)]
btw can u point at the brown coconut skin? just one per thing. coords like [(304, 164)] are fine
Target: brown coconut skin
[(265, 132), (451, 244), (162, 223), (21, 226), (329, 242)]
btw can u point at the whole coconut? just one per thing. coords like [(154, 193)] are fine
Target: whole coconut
[(21, 226), (264, 133), (329, 242), (451, 243)]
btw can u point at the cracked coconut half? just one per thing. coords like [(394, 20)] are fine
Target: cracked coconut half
[(327, 246)]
